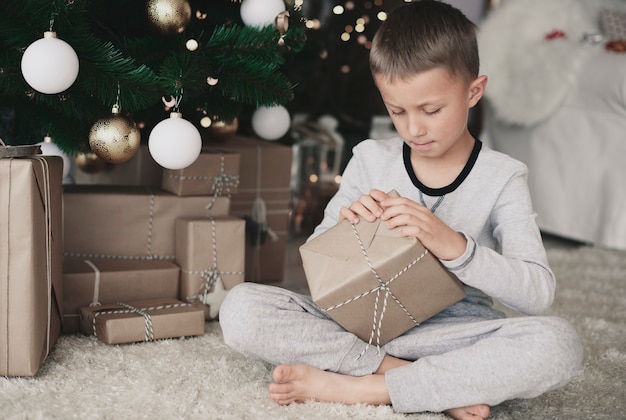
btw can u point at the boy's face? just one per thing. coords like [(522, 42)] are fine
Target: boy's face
[(430, 109)]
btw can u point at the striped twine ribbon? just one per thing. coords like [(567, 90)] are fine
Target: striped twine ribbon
[(149, 330), (382, 287), (221, 182)]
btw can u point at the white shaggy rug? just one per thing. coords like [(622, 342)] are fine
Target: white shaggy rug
[(201, 378)]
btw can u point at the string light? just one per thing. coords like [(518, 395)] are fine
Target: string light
[(206, 121), (191, 44), (358, 30)]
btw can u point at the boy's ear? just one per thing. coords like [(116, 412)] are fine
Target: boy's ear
[(477, 90)]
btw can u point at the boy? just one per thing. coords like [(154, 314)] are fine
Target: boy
[(469, 206)]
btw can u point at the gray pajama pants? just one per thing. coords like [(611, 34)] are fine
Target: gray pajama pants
[(458, 360)]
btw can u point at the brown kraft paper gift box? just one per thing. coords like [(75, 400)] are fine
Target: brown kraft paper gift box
[(210, 253), (265, 174), (145, 320), (141, 169), (128, 222), (354, 270), (92, 281), (31, 258), (215, 172)]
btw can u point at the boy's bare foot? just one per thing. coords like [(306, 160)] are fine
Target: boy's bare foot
[(300, 383), (471, 412)]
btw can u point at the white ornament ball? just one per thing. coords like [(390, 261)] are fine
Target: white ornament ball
[(175, 143), (49, 148), (271, 123), (260, 12), (50, 65)]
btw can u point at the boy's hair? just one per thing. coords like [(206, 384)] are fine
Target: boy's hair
[(424, 35)]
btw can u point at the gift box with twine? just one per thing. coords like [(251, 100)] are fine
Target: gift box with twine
[(146, 320), (31, 258), (374, 282)]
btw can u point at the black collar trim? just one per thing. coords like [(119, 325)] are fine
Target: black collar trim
[(435, 192)]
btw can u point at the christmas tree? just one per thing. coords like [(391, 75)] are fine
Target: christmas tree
[(142, 58)]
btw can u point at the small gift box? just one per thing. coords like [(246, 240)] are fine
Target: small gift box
[(128, 222), (31, 257), (374, 282), (91, 281), (214, 173), (210, 253), (146, 320), (140, 170)]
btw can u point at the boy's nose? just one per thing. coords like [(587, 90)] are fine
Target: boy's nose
[(416, 127)]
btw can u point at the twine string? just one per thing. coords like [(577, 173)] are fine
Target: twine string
[(211, 275), (149, 335), (150, 224), (95, 301), (383, 286), (48, 217), (222, 181)]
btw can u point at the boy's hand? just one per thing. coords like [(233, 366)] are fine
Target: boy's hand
[(418, 221), (368, 207)]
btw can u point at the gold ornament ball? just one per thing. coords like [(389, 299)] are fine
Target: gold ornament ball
[(169, 17), (89, 162), (115, 139), (222, 131)]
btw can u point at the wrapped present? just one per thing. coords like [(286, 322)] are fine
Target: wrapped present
[(128, 222), (145, 320), (214, 173), (374, 282), (31, 258), (88, 282), (265, 167), (264, 200), (140, 170), (210, 253)]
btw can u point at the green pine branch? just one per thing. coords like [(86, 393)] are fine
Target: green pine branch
[(246, 61)]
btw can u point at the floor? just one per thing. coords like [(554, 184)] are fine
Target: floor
[(294, 278)]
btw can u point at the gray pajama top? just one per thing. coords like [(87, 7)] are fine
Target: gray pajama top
[(489, 203)]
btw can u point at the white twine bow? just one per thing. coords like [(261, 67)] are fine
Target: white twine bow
[(382, 287), (149, 335), (209, 278), (222, 181)]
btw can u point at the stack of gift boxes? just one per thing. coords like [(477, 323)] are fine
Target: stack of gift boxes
[(184, 241), (138, 262)]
